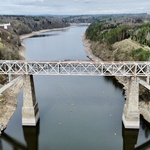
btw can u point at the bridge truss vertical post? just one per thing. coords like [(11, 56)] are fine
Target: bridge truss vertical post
[(131, 112), (30, 110)]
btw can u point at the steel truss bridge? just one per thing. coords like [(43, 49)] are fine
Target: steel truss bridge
[(68, 67), (132, 70)]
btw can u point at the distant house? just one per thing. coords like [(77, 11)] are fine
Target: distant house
[(5, 25)]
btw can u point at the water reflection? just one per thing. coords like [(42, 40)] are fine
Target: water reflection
[(130, 137), (144, 146), (31, 135), (145, 126), (114, 81), (0, 144), (14, 143), (43, 35)]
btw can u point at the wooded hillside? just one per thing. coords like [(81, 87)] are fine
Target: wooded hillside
[(26, 24), (9, 39), (104, 36)]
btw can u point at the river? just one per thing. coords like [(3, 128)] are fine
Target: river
[(76, 112)]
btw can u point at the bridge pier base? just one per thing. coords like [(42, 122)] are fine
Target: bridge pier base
[(131, 112), (30, 110)]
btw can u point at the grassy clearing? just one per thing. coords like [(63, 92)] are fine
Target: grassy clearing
[(129, 50)]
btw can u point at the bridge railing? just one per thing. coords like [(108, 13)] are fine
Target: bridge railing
[(98, 68)]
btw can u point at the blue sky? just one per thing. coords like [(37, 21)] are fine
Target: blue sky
[(73, 7)]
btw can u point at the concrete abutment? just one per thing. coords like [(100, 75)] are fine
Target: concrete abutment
[(131, 111), (30, 110)]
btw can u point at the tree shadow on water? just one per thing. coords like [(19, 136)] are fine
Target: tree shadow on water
[(114, 81)]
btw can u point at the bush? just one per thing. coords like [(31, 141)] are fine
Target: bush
[(107, 33), (140, 54)]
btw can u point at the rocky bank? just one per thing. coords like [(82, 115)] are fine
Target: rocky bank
[(8, 99), (144, 107)]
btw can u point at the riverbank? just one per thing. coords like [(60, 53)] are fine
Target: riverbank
[(24, 36), (8, 104), (87, 49), (143, 106), (8, 99)]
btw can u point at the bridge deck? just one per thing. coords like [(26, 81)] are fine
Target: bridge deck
[(78, 67)]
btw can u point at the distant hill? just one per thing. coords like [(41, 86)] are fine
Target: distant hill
[(9, 39), (105, 17), (121, 39), (9, 45), (26, 24)]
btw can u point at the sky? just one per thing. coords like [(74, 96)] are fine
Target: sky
[(73, 7)]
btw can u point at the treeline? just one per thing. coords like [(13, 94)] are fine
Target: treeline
[(104, 35), (26, 24), (9, 39), (126, 18), (109, 33), (9, 45), (141, 34)]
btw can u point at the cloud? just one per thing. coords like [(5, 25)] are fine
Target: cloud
[(87, 1), (73, 7)]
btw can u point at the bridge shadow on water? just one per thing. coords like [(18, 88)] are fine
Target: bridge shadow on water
[(31, 136), (130, 136)]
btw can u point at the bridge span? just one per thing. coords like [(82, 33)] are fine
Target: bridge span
[(132, 70), (78, 67)]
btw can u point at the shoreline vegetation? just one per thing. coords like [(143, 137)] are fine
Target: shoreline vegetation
[(143, 106), (8, 100), (24, 25), (24, 36), (125, 42)]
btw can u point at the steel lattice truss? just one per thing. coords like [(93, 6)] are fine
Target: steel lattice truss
[(98, 68)]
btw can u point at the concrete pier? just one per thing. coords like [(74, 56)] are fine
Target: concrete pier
[(30, 110), (131, 112)]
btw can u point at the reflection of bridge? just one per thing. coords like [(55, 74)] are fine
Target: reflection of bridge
[(5, 25), (31, 135), (132, 70), (130, 138)]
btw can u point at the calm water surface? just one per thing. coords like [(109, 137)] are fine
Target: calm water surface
[(76, 112)]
